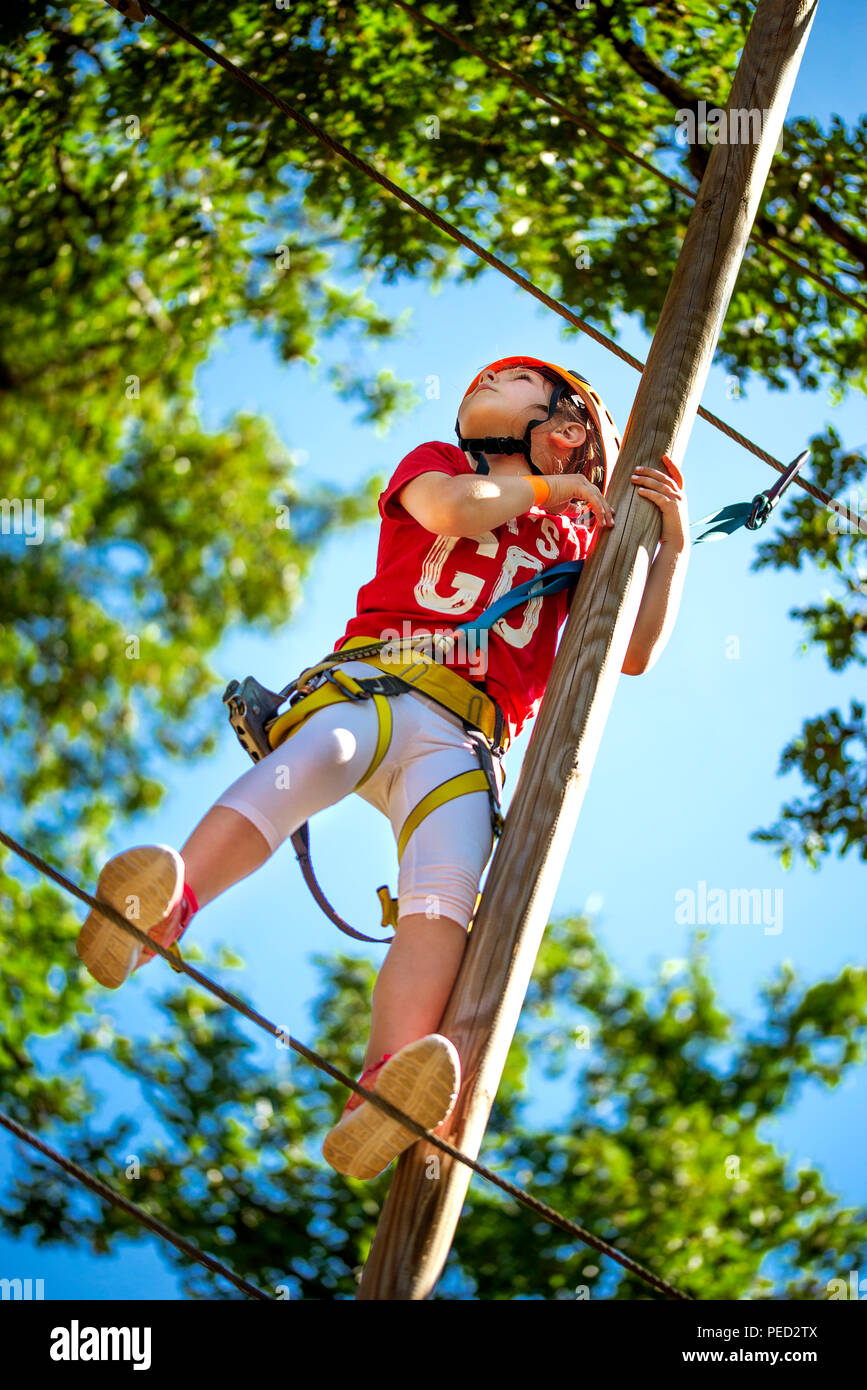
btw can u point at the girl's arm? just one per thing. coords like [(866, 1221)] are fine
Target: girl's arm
[(662, 592), (658, 611), (467, 505)]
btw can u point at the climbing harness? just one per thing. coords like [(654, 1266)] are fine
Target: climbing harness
[(254, 713), (567, 383), (752, 514)]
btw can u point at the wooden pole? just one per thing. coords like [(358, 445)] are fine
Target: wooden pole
[(423, 1206)]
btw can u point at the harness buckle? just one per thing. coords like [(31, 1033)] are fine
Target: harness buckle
[(251, 707), (486, 754)]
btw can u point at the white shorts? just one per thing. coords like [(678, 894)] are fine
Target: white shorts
[(324, 760)]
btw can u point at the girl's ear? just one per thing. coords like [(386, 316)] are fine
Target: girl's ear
[(569, 434)]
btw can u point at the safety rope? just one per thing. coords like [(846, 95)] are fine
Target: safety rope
[(451, 231), (178, 964), (588, 127), (102, 1189)]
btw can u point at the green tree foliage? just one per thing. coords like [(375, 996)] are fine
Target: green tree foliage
[(148, 199), (830, 752), (129, 242), (132, 235), (148, 205), (659, 1148)]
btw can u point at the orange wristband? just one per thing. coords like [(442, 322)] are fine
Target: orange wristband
[(541, 488)]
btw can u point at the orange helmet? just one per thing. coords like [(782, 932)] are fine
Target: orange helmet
[(566, 383)]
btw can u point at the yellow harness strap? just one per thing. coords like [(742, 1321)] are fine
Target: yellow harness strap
[(463, 782), (433, 680), (439, 683), (459, 785), (175, 950), (339, 686)]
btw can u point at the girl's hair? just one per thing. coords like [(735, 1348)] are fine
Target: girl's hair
[(588, 458)]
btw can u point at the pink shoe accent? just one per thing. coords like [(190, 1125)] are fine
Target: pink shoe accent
[(185, 911), (356, 1100), (189, 906)]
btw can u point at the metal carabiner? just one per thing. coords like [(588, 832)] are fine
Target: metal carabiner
[(337, 679), (764, 502)]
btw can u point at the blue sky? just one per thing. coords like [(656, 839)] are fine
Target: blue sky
[(688, 763)]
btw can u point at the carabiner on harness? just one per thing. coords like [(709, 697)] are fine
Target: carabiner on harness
[(347, 685)]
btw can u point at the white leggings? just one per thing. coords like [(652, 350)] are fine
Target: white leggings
[(324, 760)]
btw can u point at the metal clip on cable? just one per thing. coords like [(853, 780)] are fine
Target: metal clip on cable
[(752, 515), (764, 502)]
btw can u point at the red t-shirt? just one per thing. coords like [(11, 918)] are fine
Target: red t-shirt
[(427, 583)]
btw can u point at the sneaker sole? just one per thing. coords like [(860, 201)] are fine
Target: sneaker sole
[(423, 1079), (153, 874)]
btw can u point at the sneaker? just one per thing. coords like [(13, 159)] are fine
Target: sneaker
[(150, 880), (423, 1079)]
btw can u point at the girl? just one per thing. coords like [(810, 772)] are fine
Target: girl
[(461, 526)]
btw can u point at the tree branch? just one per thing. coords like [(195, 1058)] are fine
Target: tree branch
[(856, 246), (667, 86)]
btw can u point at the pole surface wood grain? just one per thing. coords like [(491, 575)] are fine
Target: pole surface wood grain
[(424, 1203)]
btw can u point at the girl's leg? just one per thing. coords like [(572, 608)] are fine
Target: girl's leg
[(224, 848), (439, 875), (319, 765), (415, 982)]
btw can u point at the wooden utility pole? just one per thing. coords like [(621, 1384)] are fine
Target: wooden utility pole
[(420, 1215)]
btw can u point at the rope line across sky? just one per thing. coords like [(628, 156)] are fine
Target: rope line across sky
[(178, 964), (450, 230), (589, 127), (108, 1194)]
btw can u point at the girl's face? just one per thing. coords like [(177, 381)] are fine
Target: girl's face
[(506, 401)]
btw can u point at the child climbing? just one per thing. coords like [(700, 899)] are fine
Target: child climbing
[(462, 527)]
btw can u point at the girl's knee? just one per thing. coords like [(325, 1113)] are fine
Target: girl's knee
[(438, 906)]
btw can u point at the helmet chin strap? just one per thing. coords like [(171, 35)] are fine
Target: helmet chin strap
[(507, 444), (476, 447)]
